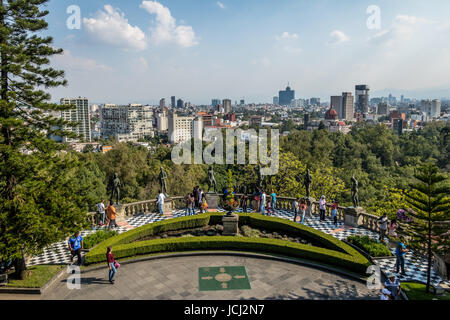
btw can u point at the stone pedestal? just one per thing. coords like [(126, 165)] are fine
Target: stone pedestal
[(309, 209), (230, 225), (212, 199), (351, 215), (167, 206), (120, 216)]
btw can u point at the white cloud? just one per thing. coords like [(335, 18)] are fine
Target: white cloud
[(293, 50), (287, 35), (220, 5), (111, 27), (166, 29), (337, 37), (265, 62), (140, 65), (67, 61)]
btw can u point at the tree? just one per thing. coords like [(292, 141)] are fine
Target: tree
[(38, 204), (429, 198)]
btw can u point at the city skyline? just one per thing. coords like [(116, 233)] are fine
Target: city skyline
[(142, 51)]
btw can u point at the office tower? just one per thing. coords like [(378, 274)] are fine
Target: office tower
[(306, 121), (182, 129), (383, 109), (78, 114), (162, 103), (242, 102), (127, 123), (180, 103), (173, 102), (402, 98), (435, 108), (275, 101), (215, 102), (286, 97), (347, 106), (226, 105), (362, 98), (336, 104), (314, 101)]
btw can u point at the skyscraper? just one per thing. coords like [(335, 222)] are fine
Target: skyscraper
[(362, 98), (347, 106), (180, 103), (215, 102), (162, 103), (336, 104), (275, 101), (79, 114), (172, 100), (286, 97), (226, 103)]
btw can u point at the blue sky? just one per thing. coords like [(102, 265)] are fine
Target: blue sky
[(141, 51)]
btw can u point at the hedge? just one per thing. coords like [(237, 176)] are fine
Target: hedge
[(334, 252)]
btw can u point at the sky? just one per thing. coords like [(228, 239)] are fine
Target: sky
[(137, 51)]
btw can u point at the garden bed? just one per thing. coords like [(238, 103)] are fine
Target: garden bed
[(416, 291), (374, 249), (35, 276)]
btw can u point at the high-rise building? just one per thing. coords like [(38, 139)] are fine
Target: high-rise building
[(314, 101), (127, 123), (362, 98), (173, 102), (435, 108), (347, 106), (182, 129), (306, 121), (180, 103), (162, 103), (242, 103), (162, 122), (383, 109), (336, 104), (215, 102), (275, 101), (78, 114), (286, 97), (226, 105)]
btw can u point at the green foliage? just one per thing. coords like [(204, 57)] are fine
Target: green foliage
[(334, 251), (92, 240), (372, 247), (417, 291), (36, 276)]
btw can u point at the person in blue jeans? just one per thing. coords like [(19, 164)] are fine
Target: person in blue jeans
[(274, 200), (75, 246), (111, 264), (400, 253)]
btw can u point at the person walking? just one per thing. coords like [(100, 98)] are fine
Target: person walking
[(322, 207), (269, 206), (334, 212), (112, 264), (400, 253), (101, 213), (295, 207), (303, 207), (382, 223), (112, 215), (273, 195), (75, 247), (263, 202), (160, 202)]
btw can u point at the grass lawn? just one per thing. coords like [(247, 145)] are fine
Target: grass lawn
[(416, 291), (36, 276)]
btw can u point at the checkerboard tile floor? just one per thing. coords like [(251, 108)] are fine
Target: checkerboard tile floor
[(415, 266)]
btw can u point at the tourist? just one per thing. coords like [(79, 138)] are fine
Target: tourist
[(322, 207), (385, 294), (112, 215), (191, 206), (101, 213), (393, 285), (392, 229), (160, 202), (382, 223), (204, 205), (75, 247), (400, 253), (334, 212), (269, 206), (200, 198), (263, 202), (274, 200), (295, 207), (196, 196), (303, 207), (112, 264), (257, 200), (244, 200)]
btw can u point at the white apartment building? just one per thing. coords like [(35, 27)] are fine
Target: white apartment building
[(182, 129), (80, 115), (126, 123), (162, 122), (431, 107)]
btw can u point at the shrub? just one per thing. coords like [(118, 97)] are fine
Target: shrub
[(372, 247), (92, 240)]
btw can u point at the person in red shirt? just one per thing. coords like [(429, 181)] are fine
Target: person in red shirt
[(111, 264), (334, 212)]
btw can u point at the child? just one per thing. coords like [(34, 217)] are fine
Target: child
[(334, 212), (269, 206), (204, 205)]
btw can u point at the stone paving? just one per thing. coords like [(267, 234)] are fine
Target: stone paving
[(177, 279)]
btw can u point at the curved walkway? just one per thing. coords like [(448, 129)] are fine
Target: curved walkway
[(178, 279)]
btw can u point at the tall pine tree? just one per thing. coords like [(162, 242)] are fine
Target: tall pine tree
[(38, 204), (429, 198)]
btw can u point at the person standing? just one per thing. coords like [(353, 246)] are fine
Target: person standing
[(112, 215), (111, 264), (303, 207), (296, 208), (274, 200), (382, 223), (263, 202), (204, 205), (191, 207), (101, 213), (200, 198), (75, 247), (160, 202), (392, 229), (269, 206), (400, 253), (322, 207), (257, 200), (334, 212)]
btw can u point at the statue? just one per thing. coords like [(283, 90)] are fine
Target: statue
[(354, 191), (162, 182), (116, 188), (308, 180), (211, 180)]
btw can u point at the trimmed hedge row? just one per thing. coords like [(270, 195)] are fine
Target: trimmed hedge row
[(335, 252)]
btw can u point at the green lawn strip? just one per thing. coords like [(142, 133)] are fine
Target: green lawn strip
[(36, 276), (416, 291)]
